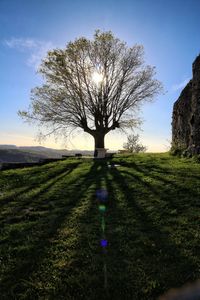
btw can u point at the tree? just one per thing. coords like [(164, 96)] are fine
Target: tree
[(132, 145), (96, 85)]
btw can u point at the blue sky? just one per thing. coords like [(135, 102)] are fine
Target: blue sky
[(168, 30)]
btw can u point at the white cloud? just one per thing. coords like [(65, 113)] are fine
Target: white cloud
[(36, 49), (21, 44), (181, 85)]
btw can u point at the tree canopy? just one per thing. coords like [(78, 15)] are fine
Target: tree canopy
[(96, 85), (133, 144)]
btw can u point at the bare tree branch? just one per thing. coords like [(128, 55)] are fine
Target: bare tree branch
[(70, 97)]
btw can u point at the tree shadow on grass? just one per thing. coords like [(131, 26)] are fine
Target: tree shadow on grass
[(175, 192), (71, 263), (151, 261), (83, 278), (152, 166), (33, 181), (24, 239), (29, 203), (172, 183), (57, 255), (30, 246), (142, 261)]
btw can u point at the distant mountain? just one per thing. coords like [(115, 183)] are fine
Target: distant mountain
[(15, 155), (12, 153), (54, 153), (8, 147)]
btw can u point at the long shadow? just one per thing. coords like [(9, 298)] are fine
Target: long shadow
[(15, 194), (26, 210), (170, 258), (41, 232), (137, 246), (14, 215), (86, 254), (170, 191), (154, 167), (87, 266), (17, 177), (149, 167), (120, 280)]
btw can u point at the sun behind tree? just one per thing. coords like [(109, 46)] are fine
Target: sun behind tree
[(95, 85)]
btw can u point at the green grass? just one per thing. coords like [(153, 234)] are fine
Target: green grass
[(50, 228)]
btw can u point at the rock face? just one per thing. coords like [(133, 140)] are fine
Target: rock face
[(186, 115)]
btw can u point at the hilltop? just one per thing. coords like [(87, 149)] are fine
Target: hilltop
[(12, 153), (51, 228)]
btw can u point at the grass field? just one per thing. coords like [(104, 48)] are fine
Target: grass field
[(50, 228)]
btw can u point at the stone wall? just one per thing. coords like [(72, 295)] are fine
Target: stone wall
[(186, 115)]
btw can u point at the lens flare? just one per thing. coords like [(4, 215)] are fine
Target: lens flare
[(102, 195), (104, 243), (102, 208)]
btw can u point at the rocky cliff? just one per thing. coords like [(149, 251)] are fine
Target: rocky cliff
[(186, 115)]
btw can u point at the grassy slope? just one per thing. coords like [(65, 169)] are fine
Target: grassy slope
[(51, 228)]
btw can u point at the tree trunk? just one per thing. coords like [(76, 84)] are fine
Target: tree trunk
[(98, 141)]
